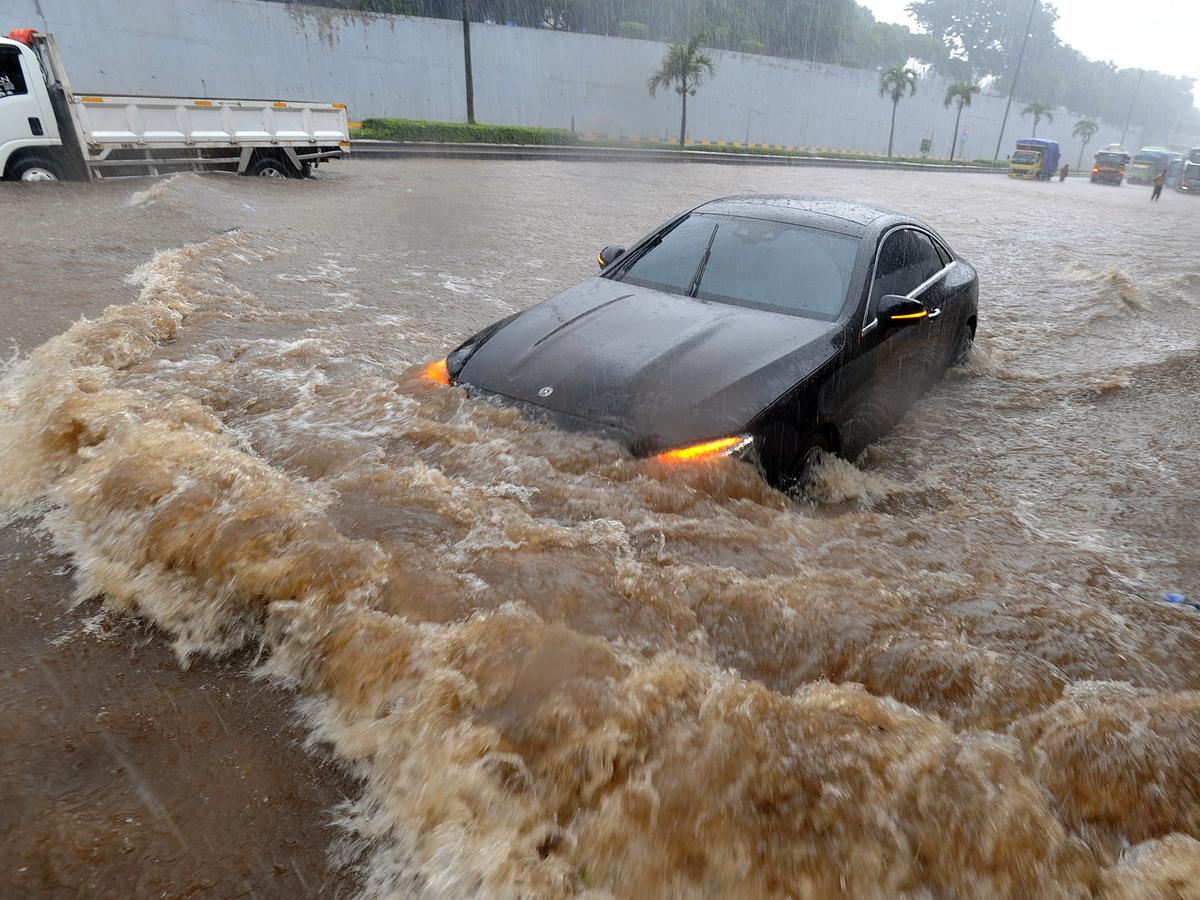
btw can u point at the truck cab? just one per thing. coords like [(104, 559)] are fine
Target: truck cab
[(30, 145), (1034, 159), (1109, 167), (48, 132)]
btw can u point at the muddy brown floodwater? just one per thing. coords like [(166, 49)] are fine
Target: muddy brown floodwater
[(540, 668)]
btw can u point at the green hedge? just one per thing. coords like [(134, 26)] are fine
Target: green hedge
[(460, 132), (847, 154)]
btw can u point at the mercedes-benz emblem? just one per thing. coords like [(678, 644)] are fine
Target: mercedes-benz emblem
[(546, 391)]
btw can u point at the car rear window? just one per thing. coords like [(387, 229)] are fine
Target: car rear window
[(750, 262)]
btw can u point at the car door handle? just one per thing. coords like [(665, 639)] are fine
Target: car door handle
[(934, 313)]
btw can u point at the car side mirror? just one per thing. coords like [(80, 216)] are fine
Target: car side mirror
[(608, 254), (900, 311)]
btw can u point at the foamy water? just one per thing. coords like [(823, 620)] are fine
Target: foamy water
[(562, 672)]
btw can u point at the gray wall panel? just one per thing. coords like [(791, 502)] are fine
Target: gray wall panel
[(396, 66)]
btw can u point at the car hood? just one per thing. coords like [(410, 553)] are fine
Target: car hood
[(660, 369)]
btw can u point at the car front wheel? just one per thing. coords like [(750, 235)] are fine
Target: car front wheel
[(799, 470), (962, 346)]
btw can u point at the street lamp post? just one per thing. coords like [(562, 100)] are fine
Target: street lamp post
[(467, 64), (1013, 87), (1132, 100)]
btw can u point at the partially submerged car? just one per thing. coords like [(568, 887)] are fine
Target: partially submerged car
[(770, 327)]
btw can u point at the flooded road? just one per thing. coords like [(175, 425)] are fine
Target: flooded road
[(556, 671)]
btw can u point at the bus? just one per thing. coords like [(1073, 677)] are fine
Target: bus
[(1174, 168), (1149, 163), (1189, 178)]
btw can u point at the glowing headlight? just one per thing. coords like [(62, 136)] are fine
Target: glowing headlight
[(437, 372), (725, 446)]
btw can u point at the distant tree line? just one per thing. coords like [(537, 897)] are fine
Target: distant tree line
[(966, 41), (981, 39)]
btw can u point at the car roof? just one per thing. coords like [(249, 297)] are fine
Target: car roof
[(828, 213)]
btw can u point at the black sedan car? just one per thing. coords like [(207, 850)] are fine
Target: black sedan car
[(770, 327)]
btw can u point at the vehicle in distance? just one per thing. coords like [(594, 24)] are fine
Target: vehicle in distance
[(1149, 163), (768, 327), (1189, 176), (1174, 170), (1109, 167), (48, 132), (1034, 158)]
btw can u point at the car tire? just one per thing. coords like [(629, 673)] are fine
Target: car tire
[(797, 476), (962, 346), (811, 451), (36, 168), (269, 167)]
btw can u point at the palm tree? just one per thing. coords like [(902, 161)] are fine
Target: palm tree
[(1085, 130), (961, 91), (683, 66), (894, 82), (1039, 111)]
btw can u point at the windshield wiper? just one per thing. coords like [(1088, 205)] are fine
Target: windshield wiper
[(694, 287)]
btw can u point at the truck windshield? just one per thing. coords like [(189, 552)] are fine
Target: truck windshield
[(12, 80), (1023, 157), (1110, 159), (1150, 159)]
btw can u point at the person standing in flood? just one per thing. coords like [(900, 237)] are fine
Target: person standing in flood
[(1159, 180)]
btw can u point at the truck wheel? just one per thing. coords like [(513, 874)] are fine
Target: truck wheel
[(270, 168), (36, 168)]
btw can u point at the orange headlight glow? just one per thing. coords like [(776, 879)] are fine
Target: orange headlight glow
[(437, 372), (706, 450)]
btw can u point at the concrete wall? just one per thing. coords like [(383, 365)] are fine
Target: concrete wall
[(388, 65)]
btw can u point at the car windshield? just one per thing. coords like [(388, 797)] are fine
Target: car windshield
[(1024, 156), (1110, 159), (749, 262)]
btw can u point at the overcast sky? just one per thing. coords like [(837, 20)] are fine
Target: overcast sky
[(1120, 32)]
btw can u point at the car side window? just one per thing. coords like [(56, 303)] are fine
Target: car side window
[(12, 79), (927, 259), (906, 259)]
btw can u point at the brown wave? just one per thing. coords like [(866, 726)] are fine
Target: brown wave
[(564, 673)]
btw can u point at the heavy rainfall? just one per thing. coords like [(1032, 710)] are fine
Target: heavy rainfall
[(287, 614)]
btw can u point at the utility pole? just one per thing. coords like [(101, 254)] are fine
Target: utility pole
[(1129, 115), (467, 64), (1013, 87)]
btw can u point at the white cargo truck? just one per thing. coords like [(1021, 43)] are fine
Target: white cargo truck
[(48, 132)]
